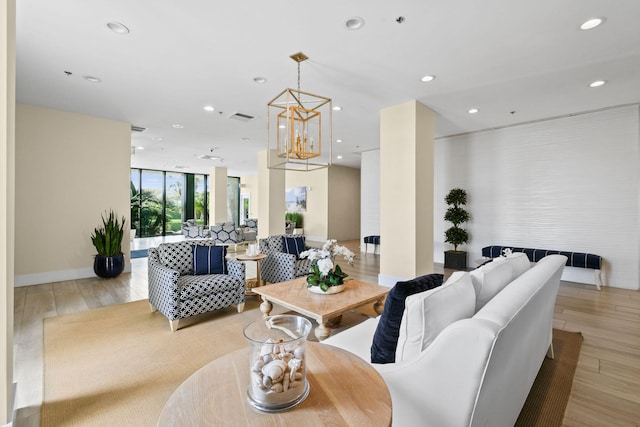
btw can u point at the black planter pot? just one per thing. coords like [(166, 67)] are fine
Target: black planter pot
[(455, 260), (108, 266)]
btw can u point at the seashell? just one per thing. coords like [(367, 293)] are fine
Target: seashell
[(295, 384), (286, 357), (266, 381), (274, 370), (294, 365), (285, 383), (267, 358), (277, 387), (257, 367), (297, 376), (267, 348), (298, 352), (256, 378)]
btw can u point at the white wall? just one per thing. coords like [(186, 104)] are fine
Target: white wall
[(70, 169), (370, 197), (566, 184)]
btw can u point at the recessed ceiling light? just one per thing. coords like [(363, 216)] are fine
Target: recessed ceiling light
[(244, 139), (597, 83), (337, 108), (92, 79), (282, 127), (427, 78), (260, 80), (157, 138), (592, 23), (473, 111), (338, 141), (354, 23), (208, 157), (178, 126), (339, 157), (139, 148), (209, 108), (117, 27)]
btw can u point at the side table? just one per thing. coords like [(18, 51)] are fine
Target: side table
[(258, 259)]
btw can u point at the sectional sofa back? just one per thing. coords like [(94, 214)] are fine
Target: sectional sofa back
[(524, 312)]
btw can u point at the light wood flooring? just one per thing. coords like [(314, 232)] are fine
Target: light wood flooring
[(606, 388)]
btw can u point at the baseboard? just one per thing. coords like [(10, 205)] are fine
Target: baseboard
[(58, 276)]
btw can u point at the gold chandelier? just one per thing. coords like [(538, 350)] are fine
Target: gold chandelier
[(295, 128)]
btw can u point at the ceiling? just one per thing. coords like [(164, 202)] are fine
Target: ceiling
[(515, 61)]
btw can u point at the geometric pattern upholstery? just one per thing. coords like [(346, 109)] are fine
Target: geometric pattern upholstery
[(373, 240), (252, 223), (224, 234), (279, 266), (191, 230), (178, 294)]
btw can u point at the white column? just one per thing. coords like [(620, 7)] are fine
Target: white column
[(218, 195), (7, 202), (406, 192), (271, 189)]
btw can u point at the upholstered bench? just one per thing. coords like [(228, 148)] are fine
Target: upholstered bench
[(574, 259), (374, 240)]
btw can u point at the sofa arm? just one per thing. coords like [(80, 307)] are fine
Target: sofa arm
[(236, 268), (278, 267), (163, 289), (442, 383)]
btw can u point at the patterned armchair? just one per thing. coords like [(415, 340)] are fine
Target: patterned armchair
[(177, 293), (280, 266), (191, 230), (251, 233), (225, 234)]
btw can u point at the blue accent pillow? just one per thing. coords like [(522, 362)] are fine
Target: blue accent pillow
[(209, 259), (385, 339), (293, 245)]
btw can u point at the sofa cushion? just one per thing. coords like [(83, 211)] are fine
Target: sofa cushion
[(198, 286), (490, 279), (427, 313), (519, 263), (293, 245), (385, 339), (209, 259)]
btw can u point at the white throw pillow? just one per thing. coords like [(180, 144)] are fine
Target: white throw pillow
[(490, 279), (427, 313), (519, 262)]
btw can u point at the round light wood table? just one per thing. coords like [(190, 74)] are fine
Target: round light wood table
[(344, 391)]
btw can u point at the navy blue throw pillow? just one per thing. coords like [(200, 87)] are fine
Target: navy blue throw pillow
[(385, 339), (209, 259), (293, 245)]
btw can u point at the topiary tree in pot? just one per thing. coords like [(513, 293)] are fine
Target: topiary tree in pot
[(455, 235)]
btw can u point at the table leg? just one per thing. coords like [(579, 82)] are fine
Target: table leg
[(265, 307), (322, 331), (258, 279), (378, 306)]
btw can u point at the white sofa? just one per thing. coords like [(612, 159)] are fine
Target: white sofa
[(477, 371)]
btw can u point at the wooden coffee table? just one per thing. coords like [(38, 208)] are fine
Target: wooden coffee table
[(344, 390), (322, 308)]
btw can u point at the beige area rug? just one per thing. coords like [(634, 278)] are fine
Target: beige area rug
[(547, 400), (118, 365)]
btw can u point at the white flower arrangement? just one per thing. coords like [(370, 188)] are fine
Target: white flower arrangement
[(322, 272)]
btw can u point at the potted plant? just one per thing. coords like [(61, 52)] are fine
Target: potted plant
[(325, 276), (455, 235), (108, 242)]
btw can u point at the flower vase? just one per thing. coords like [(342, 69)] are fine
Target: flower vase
[(332, 289)]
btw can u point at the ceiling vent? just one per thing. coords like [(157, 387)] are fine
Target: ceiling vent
[(242, 117), (138, 129)]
